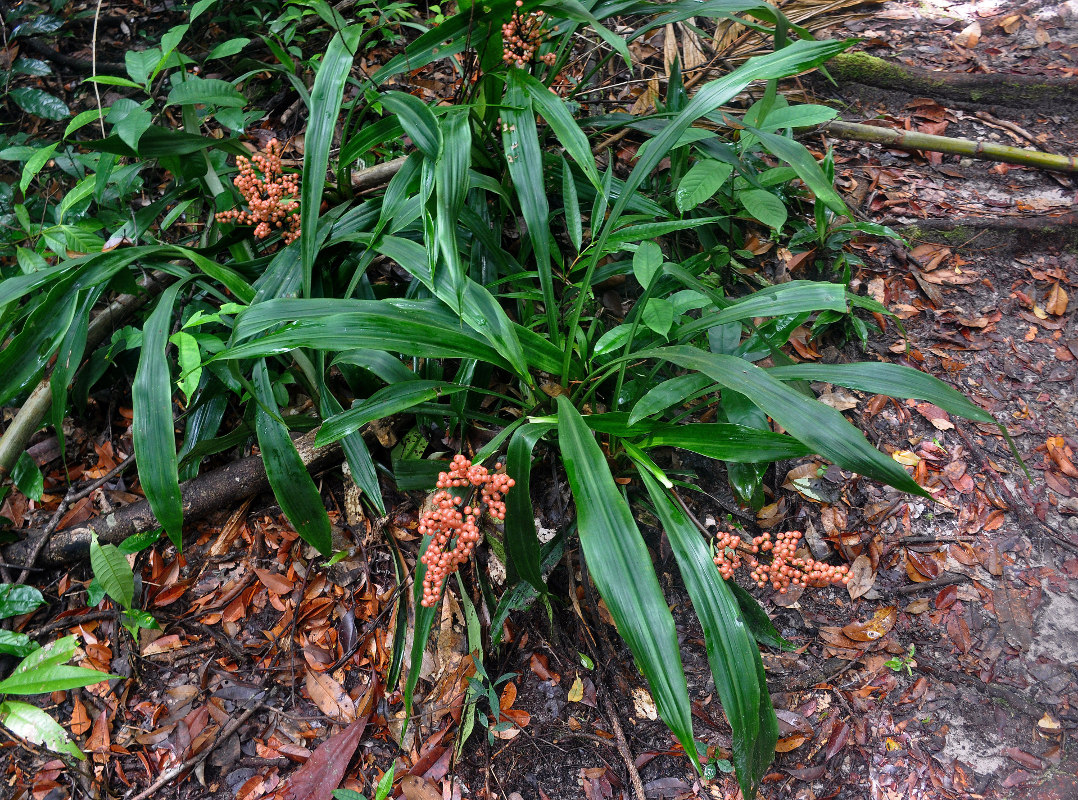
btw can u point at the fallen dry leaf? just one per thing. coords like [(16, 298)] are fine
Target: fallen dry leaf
[(322, 773), (876, 628), (415, 788), (1057, 301), (330, 697), (862, 576)]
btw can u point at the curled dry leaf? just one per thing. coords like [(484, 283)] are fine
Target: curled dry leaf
[(1057, 301), (876, 628), (862, 576)]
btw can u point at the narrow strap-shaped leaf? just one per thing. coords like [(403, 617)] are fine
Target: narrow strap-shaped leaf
[(356, 453), (68, 359), (417, 120), (521, 540), (451, 186), (731, 650), (520, 137), (893, 380), (759, 624), (565, 128), (623, 573), (325, 107), (669, 393), (797, 156), (383, 403), (153, 430), (726, 441), (819, 426), (480, 309), (424, 619), (292, 485)]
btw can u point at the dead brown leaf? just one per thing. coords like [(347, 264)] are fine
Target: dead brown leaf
[(1057, 301), (876, 628), (322, 773), (862, 576)]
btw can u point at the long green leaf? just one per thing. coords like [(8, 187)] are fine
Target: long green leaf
[(522, 547), (325, 107), (153, 430), (356, 454), (383, 403), (785, 298), (797, 156), (451, 186), (623, 572), (51, 678), (819, 426), (520, 138), (731, 650), (554, 111), (669, 393), (893, 380), (292, 485), (727, 442)]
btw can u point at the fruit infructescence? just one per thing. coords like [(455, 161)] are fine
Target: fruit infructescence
[(452, 518), (269, 193), (786, 567)]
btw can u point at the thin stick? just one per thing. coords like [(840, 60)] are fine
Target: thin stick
[(170, 774), (93, 70), (69, 499)]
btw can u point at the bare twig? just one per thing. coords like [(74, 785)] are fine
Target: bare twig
[(69, 499), (171, 774), (936, 583)]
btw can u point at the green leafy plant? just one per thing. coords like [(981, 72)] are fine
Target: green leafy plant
[(906, 662), (113, 576), (467, 294), (42, 670)]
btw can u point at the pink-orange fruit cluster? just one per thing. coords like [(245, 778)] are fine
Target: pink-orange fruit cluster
[(452, 519), (785, 569), (269, 193), (522, 36)]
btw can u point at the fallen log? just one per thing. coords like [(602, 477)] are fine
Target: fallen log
[(220, 489), (914, 140), (975, 89)]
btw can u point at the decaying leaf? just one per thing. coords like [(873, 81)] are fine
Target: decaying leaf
[(1057, 301), (876, 628), (323, 771), (862, 576)]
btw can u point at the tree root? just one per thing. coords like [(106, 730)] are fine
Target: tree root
[(203, 495), (981, 90)]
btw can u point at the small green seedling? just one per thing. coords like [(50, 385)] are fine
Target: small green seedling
[(905, 662)]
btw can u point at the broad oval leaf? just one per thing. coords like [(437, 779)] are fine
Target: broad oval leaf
[(34, 725), (764, 206), (206, 91), (40, 103), (111, 568), (700, 183), (17, 599)]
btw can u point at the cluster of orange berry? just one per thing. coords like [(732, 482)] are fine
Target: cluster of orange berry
[(786, 567), (522, 36), (269, 194), (447, 522)]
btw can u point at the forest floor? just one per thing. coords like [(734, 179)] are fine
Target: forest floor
[(947, 670)]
